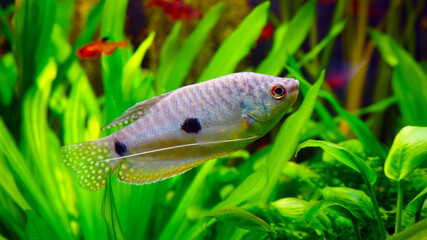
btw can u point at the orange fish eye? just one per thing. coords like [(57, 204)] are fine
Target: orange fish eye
[(278, 91)]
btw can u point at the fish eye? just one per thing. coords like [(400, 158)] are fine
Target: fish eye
[(278, 91)]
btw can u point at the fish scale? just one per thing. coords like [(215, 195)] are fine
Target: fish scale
[(168, 135)]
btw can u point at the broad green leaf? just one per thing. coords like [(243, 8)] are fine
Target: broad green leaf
[(344, 156), (237, 45), (408, 151), (109, 212), (409, 80), (415, 232), (291, 208), (316, 208), (192, 46), (415, 205), (295, 35), (242, 219), (353, 199), (352, 145), (37, 228)]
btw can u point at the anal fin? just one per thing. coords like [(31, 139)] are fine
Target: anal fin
[(145, 172)]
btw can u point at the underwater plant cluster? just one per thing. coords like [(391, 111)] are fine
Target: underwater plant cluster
[(347, 160)]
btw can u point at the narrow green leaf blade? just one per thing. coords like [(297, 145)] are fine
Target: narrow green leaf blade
[(408, 151), (295, 35), (37, 228), (237, 45), (110, 213)]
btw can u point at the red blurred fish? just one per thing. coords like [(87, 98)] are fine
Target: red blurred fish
[(176, 9), (266, 33), (99, 46)]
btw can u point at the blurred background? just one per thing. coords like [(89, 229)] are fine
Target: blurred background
[(371, 54)]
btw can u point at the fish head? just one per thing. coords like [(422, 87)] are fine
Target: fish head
[(269, 99)]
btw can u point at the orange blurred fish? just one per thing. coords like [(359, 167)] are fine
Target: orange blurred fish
[(99, 46), (176, 9)]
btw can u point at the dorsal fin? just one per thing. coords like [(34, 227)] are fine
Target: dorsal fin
[(135, 112)]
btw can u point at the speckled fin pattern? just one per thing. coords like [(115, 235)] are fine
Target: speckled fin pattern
[(135, 112)]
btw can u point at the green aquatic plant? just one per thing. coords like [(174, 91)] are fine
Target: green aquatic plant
[(369, 185)]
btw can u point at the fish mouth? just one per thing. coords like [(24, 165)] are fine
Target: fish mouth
[(294, 88)]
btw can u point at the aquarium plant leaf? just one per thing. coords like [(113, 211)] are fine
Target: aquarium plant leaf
[(408, 151), (192, 46), (37, 228), (295, 35), (371, 144), (344, 156), (242, 219), (409, 80), (168, 55), (414, 232), (34, 22), (416, 204), (292, 209), (132, 68), (177, 223), (356, 200), (238, 44), (316, 208), (334, 32), (109, 212), (7, 78)]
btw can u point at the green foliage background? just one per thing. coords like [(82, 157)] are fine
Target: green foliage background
[(48, 100)]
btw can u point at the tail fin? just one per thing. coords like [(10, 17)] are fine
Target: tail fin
[(87, 160)]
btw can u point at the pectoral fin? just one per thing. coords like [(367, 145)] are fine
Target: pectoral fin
[(135, 112)]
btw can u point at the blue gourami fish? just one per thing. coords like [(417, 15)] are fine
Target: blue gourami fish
[(174, 132)]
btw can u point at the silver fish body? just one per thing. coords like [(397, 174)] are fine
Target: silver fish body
[(177, 131)]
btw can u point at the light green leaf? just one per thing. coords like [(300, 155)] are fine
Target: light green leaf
[(415, 232), (344, 156), (295, 35), (237, 45), (408, 151), (242, 219), (415, 205), (353, 199), (316, 208)]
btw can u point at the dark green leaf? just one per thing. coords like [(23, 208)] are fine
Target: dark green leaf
[(408, 151), (37, 228), (110, 213), (415, 205)]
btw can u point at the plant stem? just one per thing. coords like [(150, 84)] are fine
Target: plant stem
[(356, 228), (371, 194), (399, 206)]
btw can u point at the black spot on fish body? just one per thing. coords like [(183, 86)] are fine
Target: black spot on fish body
[(191, 125), (120, 148)]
